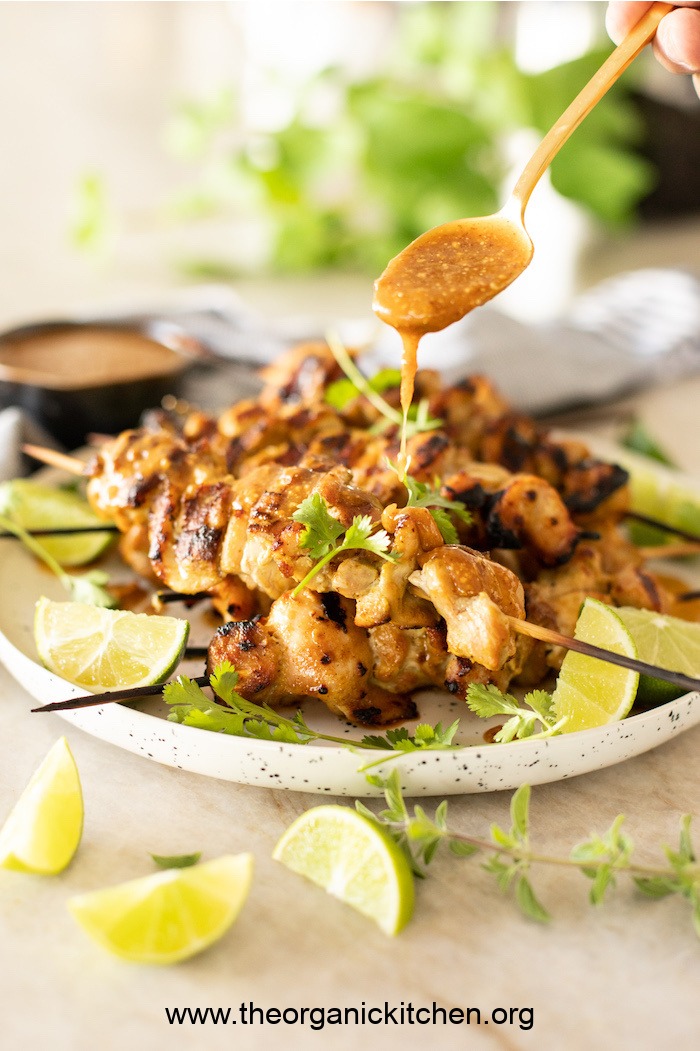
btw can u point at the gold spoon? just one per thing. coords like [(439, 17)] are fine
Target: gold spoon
[(451, 269)]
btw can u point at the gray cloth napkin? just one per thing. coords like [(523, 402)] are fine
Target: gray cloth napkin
[(631, 331), (634, 330)]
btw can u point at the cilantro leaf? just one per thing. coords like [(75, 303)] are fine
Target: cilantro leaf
[(422, 495), (342, 392), (84, 587), (487, 701), (323, 533), (322, 529), (423, 421)]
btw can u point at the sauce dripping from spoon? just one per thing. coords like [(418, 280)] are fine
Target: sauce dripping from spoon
[(441, 276), (451, 269)]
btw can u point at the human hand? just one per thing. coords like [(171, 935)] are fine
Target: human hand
[(677, 40)]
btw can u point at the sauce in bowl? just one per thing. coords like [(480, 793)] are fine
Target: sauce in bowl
[(76, 357), (74, 378)]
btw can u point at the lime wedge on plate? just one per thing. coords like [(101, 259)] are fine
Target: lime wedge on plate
[(354, 860), (43, 831), (662, 493), (666, 641), (168, 916), (590, 692), (107, 649), (35, 506)]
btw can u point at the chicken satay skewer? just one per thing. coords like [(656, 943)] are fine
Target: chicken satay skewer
[(535, 631), (105, 527)]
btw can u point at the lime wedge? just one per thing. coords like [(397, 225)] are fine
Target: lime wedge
[(107, 649), (43, 831), (170, 915), (354, 860), (590, 692), (35, 506), (660, 493), (667, 641)]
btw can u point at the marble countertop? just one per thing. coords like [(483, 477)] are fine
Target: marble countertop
[(629, 968)]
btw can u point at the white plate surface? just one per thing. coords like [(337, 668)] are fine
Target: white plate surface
[(323, 769)]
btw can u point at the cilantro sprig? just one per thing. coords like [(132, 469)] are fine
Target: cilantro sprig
[(340, 393), (84, 587), (190, 705), (420, 494), (419, 423), (322, 536), (487, 701), (509, 856)]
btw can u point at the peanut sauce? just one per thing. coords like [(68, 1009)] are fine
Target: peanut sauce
[(85, 356), (440, 277)]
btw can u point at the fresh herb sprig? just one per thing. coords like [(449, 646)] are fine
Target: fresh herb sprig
[(422, 421), (340, 393), (242, 718), (487, 701), (323, 533), (420, 494), (509, 856), (84, 587)]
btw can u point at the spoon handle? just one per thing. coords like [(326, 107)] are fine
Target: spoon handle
[(603, 79)]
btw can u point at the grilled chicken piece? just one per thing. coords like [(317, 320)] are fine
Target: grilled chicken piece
[(300, 376), (309, 647), (476, 597), (265, 550), (604, 569)]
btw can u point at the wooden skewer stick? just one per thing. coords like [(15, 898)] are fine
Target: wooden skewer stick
[(535, 631), (670, 550), (523, 627), (64, 531), (92, 700), (635, 516), (71, 464)]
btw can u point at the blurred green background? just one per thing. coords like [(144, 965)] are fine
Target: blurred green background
[(360, 164)]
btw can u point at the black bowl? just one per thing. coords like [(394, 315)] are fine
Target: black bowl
[(73, 396)]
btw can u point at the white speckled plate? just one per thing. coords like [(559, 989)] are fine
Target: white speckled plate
[(477, 767)]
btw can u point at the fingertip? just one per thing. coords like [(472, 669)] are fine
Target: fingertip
[(621, 16), (677, 42)]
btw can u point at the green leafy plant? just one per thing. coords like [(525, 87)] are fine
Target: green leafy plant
[(523, 717), (422, 142), (509, 856), (418, 420)]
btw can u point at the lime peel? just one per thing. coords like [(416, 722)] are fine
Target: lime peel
[(35, 506), (666, 641)]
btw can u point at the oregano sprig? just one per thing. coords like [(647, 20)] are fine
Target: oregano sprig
[(509, 856)]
